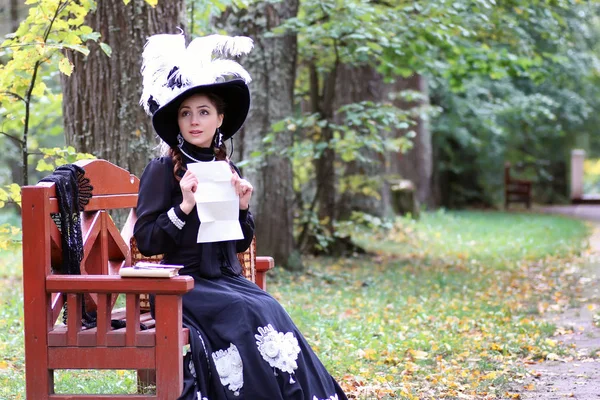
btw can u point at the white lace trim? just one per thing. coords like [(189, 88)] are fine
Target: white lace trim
[(278, 349), (179, 224), (230, 368), (334, 397), (192, 368)]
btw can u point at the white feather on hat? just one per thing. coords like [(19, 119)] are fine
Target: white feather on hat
[(169, 68)]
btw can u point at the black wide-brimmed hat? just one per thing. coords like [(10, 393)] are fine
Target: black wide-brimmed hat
[(172, 73)]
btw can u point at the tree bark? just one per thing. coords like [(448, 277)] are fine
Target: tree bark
[(101, 107), (417, 164), (326, 178), (272, 65), (356, 84), (363, 83), (13, 6)]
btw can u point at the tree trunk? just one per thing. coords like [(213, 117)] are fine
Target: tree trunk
[(417, 164), (101, 107), (14, 15), (356, 84), (364, 83), (272, 65)]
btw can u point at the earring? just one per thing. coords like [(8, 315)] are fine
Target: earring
[(179, 140), (219, 137)]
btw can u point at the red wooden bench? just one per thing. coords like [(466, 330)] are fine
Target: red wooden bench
[(156, 353), (516, 190)]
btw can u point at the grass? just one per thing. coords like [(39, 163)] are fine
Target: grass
[(445, 307)]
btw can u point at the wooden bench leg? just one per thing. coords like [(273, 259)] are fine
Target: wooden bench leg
[(42, 388), (169, 360)]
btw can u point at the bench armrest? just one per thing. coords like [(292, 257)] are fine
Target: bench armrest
[(115, 284), (264, 263)]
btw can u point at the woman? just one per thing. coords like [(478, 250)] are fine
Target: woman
[(243, 343)]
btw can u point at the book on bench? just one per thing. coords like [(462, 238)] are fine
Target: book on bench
[(150, 270)]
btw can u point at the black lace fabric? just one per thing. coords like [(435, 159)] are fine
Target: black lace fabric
[(67, 180), (85, 189), (74, 191)]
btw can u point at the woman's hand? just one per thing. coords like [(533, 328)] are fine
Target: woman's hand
[(243, 189), (188, 185)]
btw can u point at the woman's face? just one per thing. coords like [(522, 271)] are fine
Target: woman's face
[(198, 120)]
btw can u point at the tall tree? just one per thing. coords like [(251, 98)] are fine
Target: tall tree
[(101, 97), (272, 65), (364, 83), (361, 184), (30, 56), (417, 163)]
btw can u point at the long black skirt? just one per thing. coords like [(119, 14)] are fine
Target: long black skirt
[(244, 345)]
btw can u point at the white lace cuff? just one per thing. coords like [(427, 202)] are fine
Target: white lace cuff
[(175, 219)]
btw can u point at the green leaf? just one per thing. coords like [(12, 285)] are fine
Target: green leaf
[(78, 47), (65, 66), (94, 36), (106, 49), (42, 165), (15, 192)]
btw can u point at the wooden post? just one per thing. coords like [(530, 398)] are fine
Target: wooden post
[(36, 265), (169, 365)]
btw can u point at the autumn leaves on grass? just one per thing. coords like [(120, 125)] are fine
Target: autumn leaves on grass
[(445, 307)]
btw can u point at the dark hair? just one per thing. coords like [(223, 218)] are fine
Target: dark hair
[(220, 151)]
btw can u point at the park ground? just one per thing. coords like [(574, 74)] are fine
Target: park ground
[(457, 305)]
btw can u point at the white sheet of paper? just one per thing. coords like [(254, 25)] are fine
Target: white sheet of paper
[(216, 202)]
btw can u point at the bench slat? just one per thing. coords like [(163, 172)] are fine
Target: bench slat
[(104, 202), (116, 284), (101, 357), (133, 318), (73, 318), (103, 317), (89, 338)]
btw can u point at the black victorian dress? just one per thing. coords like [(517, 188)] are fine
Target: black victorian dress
[(243, 344)]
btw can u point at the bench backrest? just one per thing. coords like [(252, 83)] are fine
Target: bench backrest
[(105, 248)]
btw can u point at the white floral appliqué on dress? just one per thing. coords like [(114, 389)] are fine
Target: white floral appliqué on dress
[(278, 349), (334, 397), (230, 368)]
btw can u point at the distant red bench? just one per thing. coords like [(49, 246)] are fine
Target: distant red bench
[(516, 190), (156, 353)]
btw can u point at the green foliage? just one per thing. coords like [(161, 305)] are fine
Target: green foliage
[(31, 58), (453, 43), (532, 121), (51, 26), (60, 156), (11, 193), (201, 14), (10, 237), (38, 46), (360, 134)]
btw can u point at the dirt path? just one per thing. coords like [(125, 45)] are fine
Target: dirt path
[(577, 377)]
